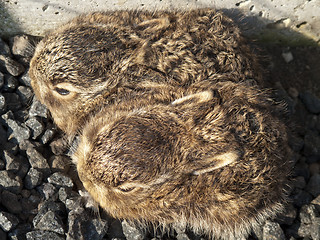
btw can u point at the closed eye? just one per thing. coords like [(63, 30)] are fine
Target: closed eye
[(126, 189), (62, 91)]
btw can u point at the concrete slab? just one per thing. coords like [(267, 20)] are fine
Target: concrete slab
[(270, 20)]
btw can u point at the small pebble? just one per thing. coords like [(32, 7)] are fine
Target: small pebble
[(132, 232), (15, 164), (49, 205), (11, 202), (8, 221), (4, 48), (32, 179), (311, 102), (48, 135), (47, 190), (61, 180), (10, 83), (37, 161), (272, 231), (47, 235), (311, 144), (182, 236), (50, 221), (81, 226), (34, 198), (25, 79), (12, 100), (299, 182), (60, 163), (59, 146), (2, 103), (36, 125), (301, 197), (293, 92), (314, 168), (20, 231), (25, 94), (287, 56), (288, 216), (66, 193), (11, 163), (10, 182), (308, 213), (37, 109), (25, 193), (11, 66), (313, 186)]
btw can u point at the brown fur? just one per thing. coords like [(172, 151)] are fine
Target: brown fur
[(104, 55), (218, 166), (172, 129)]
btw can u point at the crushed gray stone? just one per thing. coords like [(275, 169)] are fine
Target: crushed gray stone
[(36, 125), (25, 94), (11, 66), (10, 182), (25, 79), (47, 235), (48, 135), (37, 161), (2, 103), (12, 101), (8, 221), (47, 190), (132, 232), (81, 225), (32, 179), (10, 83), (50, 221), (60, 180), (272, 231), (38, 109)]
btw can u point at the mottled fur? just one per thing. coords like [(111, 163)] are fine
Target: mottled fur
[(216, 165), (105, 55), (173, 130)]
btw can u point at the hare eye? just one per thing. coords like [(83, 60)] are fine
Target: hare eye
[(126, 189), (62, 91)]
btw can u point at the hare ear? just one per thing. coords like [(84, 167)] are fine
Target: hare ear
[(196, 98), (219, 161)]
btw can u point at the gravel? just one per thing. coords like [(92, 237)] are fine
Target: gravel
[(41, 196)]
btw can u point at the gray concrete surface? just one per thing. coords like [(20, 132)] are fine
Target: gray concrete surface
[(270, 20)]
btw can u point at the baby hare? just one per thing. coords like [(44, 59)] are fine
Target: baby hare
[(172, 130), (101, 57), (214, 161)]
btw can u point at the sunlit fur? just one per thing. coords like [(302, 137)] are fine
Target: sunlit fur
[(101, 56), (218, 166), (173, 131)]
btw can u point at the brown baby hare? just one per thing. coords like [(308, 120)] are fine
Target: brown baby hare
[(172, 130), (214, 161), (99, 57)]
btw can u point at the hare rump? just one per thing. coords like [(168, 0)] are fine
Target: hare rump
[(174, 126)]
